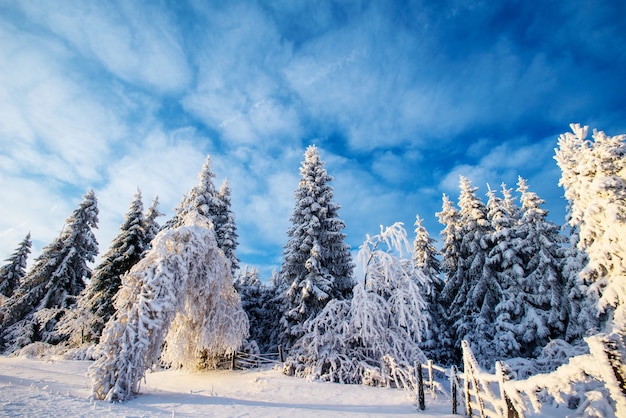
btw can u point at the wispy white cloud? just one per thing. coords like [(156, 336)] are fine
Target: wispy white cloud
[(55, 127), (30, 205), (239, 90), (161, 164), (136, 42)]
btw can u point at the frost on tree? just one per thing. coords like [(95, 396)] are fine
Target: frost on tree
[(594, 179), (317, 266), (372, 338), (11, 274), (54, 281), (450, 254), (177, 304), (95, 305), (451, 236)]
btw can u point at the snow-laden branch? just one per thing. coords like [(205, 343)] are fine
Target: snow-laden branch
[(181, 296)]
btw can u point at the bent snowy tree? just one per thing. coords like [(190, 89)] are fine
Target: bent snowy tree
[(177, 304)]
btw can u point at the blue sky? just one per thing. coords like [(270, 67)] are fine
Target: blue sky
[(400, 97)]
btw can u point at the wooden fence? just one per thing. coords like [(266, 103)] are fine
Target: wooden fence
[(493, 395), (240, 360), (473, 386)]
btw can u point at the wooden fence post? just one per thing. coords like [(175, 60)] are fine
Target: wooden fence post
[(420, 385), (453, 388), (233, 361), (431, 378), (281, 355), (507, 407), (466, 385)]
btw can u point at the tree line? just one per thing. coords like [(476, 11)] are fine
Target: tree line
[(505, 278)]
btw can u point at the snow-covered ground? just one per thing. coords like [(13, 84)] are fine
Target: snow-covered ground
[(36, 388)]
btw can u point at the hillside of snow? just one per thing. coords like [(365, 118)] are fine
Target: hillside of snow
[(36, 388)]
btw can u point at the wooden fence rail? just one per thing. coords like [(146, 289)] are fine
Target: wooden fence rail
[(240, 360)]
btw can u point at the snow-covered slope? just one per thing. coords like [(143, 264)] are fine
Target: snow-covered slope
[(37, 388)]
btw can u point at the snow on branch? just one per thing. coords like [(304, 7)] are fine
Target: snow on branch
[(373, 338), (179, 296)]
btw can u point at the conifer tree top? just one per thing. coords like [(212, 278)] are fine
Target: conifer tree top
[(12, 273)]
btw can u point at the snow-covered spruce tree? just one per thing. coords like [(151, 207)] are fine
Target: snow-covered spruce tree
[(583, 318), (372, 338), (151, 226), (543, 284), (506, 261), (425, 259), (95, 306), (317, 266), (471, 293), (451, 235), (201, 198), (594, 179), (256, 300), (450, 255), (53, 282), (214, 205), (180, 296), (11, 274), (225, 226)]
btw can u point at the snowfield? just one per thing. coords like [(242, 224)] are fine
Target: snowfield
[(35, 388)]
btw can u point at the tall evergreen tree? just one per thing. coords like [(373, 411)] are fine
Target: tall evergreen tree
[(201, 198), (450, 250), (425, 259), (583, 318), (594, 179), (126, 249), (470, 291), (225, 227), (54, 281), (317, 265), (151, 226), (11, 274), (214, 205), (543, 282), (507, 263), (450, 256)]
